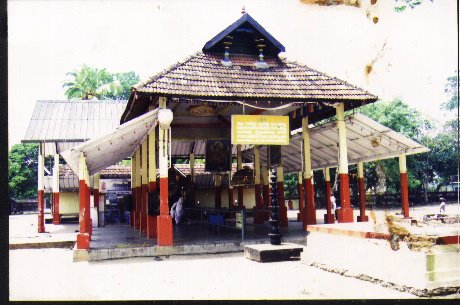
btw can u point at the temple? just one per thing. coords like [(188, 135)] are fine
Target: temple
[(188, 112)]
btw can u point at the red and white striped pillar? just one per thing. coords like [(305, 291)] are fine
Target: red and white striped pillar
[(239, 166), (329, 217), (138, 201), (83, 237), (404, 185), (164, 220), (144, 187), (345, 212), (281, 201), (152, 173), (56, 216), (300, 215), (41, 189), (310, 210), (217, 191), (362, 194)]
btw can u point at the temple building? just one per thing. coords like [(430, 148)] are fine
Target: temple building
[(214, 106)]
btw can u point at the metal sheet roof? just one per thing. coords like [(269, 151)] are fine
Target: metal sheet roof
[(100, 152), (367, 140), (69, 123)]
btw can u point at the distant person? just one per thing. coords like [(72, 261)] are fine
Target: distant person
[(333, 205), (442, 205), (177, 209)]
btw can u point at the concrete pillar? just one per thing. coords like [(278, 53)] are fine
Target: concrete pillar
[(192, 176), (41, 190), (239, 165), (144, 186), (133, 191), (152, 186), (266, 187), (301, 214), (281, 201), (259, 216), (329, 217), (88, 202), (404, 185), (56, 216), (310, 210), (164, 220), (137, 190), (96, 181), (362, 194), (83, 237), (345, 212), (217, 191), (266, 194)]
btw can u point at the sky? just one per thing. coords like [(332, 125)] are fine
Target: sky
[(411, 53)]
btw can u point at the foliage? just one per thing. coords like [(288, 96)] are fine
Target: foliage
[(452, 90), (403, 4), (291, 186), (22, 171), (398, 116), (93, 83)]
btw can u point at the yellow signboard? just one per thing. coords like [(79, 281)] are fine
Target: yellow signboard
[(260, 129)]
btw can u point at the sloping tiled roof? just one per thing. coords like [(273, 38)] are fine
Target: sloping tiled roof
[(73, 121), (203, 76)]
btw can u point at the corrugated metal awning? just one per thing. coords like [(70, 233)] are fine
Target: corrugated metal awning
[(64, 124), (367, 140), (103, 151)]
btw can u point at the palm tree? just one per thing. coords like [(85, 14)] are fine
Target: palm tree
[(89, 83)]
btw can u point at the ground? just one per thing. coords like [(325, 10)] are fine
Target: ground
[(328, 269), (49, 274)]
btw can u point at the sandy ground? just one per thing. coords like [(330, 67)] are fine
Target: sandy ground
[(49, 274)]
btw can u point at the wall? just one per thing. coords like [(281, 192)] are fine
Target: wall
[(69, 203)]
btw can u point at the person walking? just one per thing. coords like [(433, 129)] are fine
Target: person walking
[(177, 208), (442, 205), (333, 205)]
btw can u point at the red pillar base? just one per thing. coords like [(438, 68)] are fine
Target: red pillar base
[(283, 216), (329, 218), (259, 216), (310, 218), (82, 241), (41, 211), (56, 216), (344, 215), (364, 218), (164, 230), (151, 226)]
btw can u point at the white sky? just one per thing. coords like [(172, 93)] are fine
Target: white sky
[(413, 52)]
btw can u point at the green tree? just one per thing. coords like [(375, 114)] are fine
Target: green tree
[(89, 83), (398, 116), (22, 171)]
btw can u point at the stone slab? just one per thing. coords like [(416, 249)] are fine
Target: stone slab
[(273, 253)]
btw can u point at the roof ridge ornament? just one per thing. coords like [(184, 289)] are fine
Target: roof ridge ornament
[(243, 10)]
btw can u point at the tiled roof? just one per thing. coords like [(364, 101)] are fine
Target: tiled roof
[(203, 75), (113, 171)]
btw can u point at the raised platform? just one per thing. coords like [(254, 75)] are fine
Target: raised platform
[(273, 253)]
